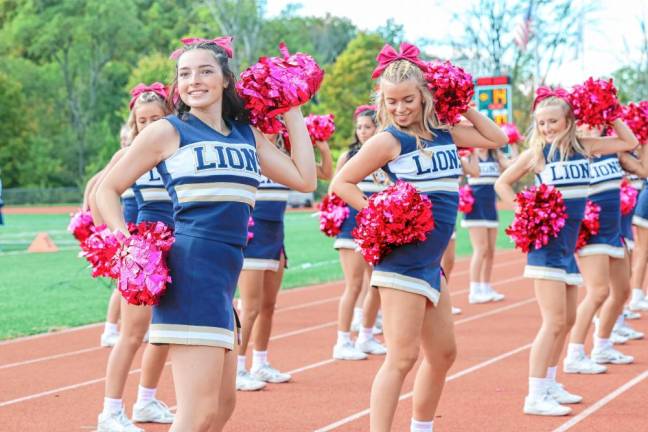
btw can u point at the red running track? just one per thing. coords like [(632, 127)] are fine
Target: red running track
[(54, 382)]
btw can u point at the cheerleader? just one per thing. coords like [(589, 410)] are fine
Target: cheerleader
[(414, 147), (482, 223), (210, 160), (557, 158), (638, 301), (356, 271)]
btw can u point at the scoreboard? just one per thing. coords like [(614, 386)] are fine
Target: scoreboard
[(493, 98)]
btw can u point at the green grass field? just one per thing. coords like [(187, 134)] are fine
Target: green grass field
[(44, 292)]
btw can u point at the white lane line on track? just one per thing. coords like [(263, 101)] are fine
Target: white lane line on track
[(602, 402), (405, 396), (51, 357)]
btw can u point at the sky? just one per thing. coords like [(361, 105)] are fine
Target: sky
[(609, 41)]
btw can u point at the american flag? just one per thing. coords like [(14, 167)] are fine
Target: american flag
[(523, 30)]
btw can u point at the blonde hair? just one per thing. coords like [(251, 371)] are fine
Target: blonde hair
[(144, 98), (566, 143), (396, 73)]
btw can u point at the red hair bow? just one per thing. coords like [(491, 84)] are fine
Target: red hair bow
[(389, 55), (363, 108), (224, 42), (157, 88), (544, 92)]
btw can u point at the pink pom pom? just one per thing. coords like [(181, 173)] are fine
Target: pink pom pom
[(466, 199), (590, 225), (511, 132), (540, 214), (275, 84), (320, 127), (636, 117), (628, 197), (81, 225), (141, 265), (333, 213), (452, 89), (397, 216), (595, 102), (99, 250), (250, 234)]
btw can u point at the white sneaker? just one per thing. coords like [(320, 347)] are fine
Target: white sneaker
[(479, 298), (628, 332), (116, 422), (348, 351), (154, 411), (617, 338), (610, 355), (269, 374), (638, 305), (371, 346), (547, 406), (562, 396), (109, 339), (494, 295), (582, 365), (456, 310), (245, 382), (630, 315)]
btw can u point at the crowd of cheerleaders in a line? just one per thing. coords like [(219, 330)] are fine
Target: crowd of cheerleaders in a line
[(175, 172)]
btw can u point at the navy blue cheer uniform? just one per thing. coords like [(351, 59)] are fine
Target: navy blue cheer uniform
[(637, 183), (212, 180), (153, 201), (416, 267), (484, 211), (129, 205), (556, 261), (605, 183)]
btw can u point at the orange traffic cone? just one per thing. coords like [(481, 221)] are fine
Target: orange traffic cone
[(42, 243)]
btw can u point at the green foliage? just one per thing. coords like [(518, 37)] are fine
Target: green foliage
[(632, 83), (347, 84)]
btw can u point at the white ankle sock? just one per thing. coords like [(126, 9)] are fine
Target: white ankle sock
[(537, 387), (620, 321), (637, 294), (421, 426), (240, 365), (112, 406), (259, 359), (145, 395), (575, 351), (110, 328), (551, 373), (343, 337), (601, 343), (365, 334), (357, 314), (475, 288), (486, 288)]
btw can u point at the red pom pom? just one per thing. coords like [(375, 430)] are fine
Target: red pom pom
[(590, 225), (320, 127), (397, 216), (595, 102), (511, 132), (452, 89), (465, 151), (250, 234), (333, 212), (275, 84), (540, 214), (99, 250), (636, 117), (628, 197), (81, 225), (466, 199)]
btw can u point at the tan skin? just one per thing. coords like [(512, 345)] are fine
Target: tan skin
[(557, 300), (410, 321), (205, 376)]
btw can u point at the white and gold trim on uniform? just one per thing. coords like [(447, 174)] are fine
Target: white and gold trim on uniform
[(602, 249), (345, 243), (155, 194), (183, 334), (639, 221), (128, 193), (404, 283), (554, 274), (479, 223), (216, 191), (272, 195), (260, 264)]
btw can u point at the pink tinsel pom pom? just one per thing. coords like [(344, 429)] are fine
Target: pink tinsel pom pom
[(250, 234), (99, 249), (452, 89), (590, 225), (628, 197), (275, 84), (320, 127), (511, 132), (466, 199), (141, 266), (636, 117), (595, 102), (396, 216), (81, 225), (333, 212), (540, 214)]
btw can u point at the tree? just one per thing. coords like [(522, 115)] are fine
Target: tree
[(348, 83), (632, 79)]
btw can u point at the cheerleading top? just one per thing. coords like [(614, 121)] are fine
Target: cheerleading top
[(153, 200), (434, 172), (212, 180), (271, 201), (605, 178), (489, 171)]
